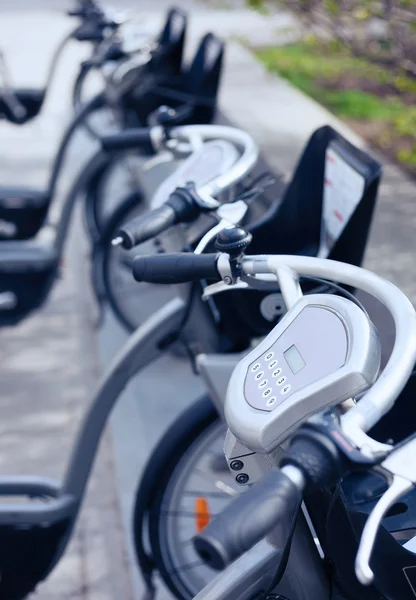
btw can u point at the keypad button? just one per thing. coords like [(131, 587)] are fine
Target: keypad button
[(258, 375), (255, 367), (281, 380), (269, 356), (267, 392), (273, 364), (263, 383), (271, 401), (277, 372), (286, 389)]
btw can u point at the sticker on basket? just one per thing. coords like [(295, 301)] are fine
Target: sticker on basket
[(343, 190), (411, 545)]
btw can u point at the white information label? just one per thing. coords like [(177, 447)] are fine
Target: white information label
[(343, 190), (411, 545)]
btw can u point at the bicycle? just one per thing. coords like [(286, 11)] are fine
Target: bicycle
[(103, 29), (28, 268), (126, 67), (291, 403), (298, 221), (19, 106), (201, 153), (23, 211), (171, 480)]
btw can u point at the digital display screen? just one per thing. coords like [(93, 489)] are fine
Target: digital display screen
[(294, 359)]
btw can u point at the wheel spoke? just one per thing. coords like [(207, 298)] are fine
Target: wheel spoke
[(218, 483), (187, 567)]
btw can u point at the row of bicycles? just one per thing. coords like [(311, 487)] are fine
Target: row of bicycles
[(293, 476)]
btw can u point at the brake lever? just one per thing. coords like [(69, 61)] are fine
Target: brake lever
[(399, 469), (261, 283)]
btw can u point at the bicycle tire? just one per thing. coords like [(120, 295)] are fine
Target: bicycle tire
[(109, 188), (190, 428), (78, 85), (129, 307), (78, 103)]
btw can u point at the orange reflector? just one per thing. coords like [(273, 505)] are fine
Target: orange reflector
[(202, 516)]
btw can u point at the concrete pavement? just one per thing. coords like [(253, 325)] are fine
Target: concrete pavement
[(55, 349)]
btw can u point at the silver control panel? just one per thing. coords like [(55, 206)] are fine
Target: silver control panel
[(313, 346), (322, 352)]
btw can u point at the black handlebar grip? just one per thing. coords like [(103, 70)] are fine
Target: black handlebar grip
[(248, 519), (180, 267), (129, 139), (146, 226)]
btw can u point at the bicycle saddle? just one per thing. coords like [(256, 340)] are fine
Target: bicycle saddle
[(31, 100), (22, 211), (27, 272)]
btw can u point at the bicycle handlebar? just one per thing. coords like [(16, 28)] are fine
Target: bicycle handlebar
[(275, 500), (380, 398), (319, 455), (181, 267), (239, 138), (145, 227), (313, 460), (193, 136), (183, 206), (129, 139), (186, 203)]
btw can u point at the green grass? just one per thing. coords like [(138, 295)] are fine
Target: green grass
[(318, 70)]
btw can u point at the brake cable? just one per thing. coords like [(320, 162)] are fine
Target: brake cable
[(342, 291), (254, 189)]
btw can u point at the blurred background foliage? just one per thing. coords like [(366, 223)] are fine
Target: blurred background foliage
[(358, 58)]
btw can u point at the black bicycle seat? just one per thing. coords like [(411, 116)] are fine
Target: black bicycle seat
[(22, 211), (27, 271), (31, 100)]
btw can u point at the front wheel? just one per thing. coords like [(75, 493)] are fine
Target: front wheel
[(191, 484), (131, 302)]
